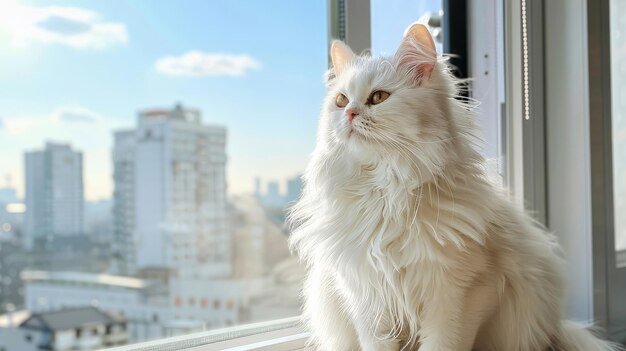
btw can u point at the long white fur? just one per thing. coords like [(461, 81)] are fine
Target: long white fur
[(408, 245)]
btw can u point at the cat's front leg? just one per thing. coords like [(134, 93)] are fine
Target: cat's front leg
[(331, 329), (375, 334), (370, 342), (454, 316), (441, 324)]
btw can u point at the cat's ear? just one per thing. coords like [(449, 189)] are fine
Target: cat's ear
[(340, 55), (417, 52)]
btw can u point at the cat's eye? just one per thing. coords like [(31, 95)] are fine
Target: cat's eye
[(341, 100), (378, 96)]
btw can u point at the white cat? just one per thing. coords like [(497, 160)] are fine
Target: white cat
[(407, 244)]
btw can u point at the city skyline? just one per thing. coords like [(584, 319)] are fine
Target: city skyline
[(75, 71), (178, 251), (7, 181), (90, 67)]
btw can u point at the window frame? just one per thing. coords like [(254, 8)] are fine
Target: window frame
[(280, 334), (610, 278), (564, 102), (571, 48), (530, 146), (350, 21)]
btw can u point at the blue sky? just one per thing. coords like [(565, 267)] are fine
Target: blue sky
[(75, 70)]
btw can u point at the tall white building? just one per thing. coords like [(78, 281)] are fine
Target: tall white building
[(170, 193), (54, 194)]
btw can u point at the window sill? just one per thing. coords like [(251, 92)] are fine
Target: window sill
[(277, 335)]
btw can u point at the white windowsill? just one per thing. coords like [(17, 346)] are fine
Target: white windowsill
[(277, 335)]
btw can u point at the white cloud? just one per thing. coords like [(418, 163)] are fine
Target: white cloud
[(65, 116), (69, 26), (75, 115), (201, 64)]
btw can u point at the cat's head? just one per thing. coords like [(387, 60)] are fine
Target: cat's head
[(377, 106)]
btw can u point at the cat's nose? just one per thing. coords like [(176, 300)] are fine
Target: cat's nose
[(351, 113)]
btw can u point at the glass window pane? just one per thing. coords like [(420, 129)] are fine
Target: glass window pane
[(149, 152), (391, 18)]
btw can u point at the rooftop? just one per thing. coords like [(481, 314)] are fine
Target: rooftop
[(69, 318), (10, 319), (178, 112)]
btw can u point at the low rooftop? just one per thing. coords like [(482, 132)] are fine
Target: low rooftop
[(70, 318), (178, 112)]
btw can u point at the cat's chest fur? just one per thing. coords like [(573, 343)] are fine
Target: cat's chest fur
[(378, 248), (393, 239), (383, 215)]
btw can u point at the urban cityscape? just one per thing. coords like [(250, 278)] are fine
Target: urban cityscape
[(172, 252)]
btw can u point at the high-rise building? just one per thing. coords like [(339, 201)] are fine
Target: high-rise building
[(273, 198), (170, 193), (294, 187), (54, 195)]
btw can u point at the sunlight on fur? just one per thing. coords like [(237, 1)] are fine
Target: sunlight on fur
[(408, 245)]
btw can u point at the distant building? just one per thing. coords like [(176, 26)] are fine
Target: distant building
[(273, 198), (54, 195), (64, 255), (217, 302), (143, 303), (170, 194), (153, 309), (85, 328), (294, 187), (260, 243)]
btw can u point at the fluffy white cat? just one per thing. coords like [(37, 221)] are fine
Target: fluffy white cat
[(407, 244)]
